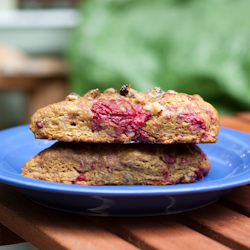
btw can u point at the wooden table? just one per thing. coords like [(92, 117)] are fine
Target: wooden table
[(42, 79), (222, 225)]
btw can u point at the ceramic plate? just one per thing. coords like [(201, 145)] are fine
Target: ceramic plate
[(230, 167)]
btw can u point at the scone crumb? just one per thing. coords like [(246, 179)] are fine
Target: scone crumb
[(110, 91), (154, 107), (72, 96)]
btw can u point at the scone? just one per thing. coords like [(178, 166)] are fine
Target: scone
[(155, 116), (118, 164)]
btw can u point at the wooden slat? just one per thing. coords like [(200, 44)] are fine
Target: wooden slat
[(49, 229), (7, 237), (18, 83), (240, 198), (13, 62), (25, 83), (49, 92), (235, 123), (244, 115), (223, 224), (159, 233)]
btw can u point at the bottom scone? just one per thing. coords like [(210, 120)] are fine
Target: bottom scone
[(116, 164)]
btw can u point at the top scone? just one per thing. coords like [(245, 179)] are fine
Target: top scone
[(154, 116)]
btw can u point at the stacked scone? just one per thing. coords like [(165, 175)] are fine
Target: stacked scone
[(129, 137)]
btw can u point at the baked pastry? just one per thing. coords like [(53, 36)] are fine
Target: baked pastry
[(117, 164), (154, 116)]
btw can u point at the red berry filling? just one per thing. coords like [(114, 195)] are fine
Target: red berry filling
[(165, 175), (204, 136), (211, 115), (81, 177), (126, 118), (198, 174), (109, 170), (184, 160), (194, 119), (164, 179), (169, 159), (39, 124)]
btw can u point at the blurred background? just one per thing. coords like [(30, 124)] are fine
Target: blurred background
[(49, 48)]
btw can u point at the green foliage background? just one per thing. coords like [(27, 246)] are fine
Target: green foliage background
[(193, 46)]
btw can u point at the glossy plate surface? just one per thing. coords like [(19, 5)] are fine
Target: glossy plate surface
[(230, 167)]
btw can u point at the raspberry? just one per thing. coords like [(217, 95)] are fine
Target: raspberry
[(109, 170), (200, 173), (194, 119), (126, 118), (204, 136), (184, 160), (165, 175), (211, 115), (80, 177), (162, 181), (169, 159), (39, 124)]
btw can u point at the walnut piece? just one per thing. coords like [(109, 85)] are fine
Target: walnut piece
[(124, 90), (92, 94)]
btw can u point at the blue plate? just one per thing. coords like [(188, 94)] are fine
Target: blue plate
[(229, 157)]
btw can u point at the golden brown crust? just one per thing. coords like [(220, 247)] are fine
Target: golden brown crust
[(154, 116), (118, 164)]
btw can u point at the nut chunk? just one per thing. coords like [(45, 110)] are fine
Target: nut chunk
[(155, 116)]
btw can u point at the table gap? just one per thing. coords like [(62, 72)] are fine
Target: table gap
[(235, 207)]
